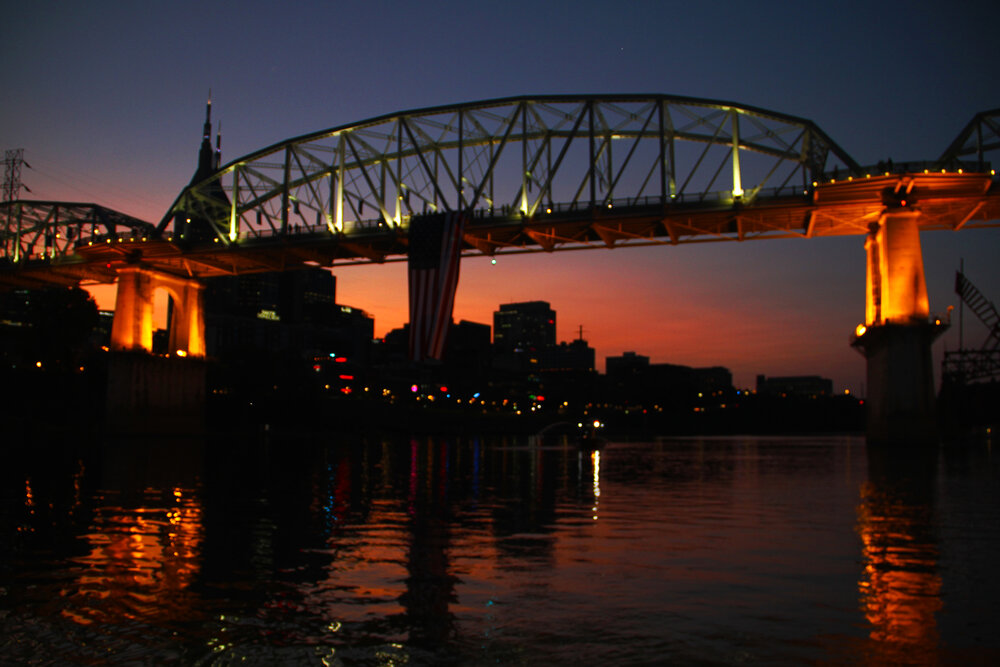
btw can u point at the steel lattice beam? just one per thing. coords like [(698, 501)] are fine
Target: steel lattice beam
[(516, 155), (980, 136), (48, 230)]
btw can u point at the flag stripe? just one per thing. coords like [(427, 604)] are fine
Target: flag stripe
[(434, 259)]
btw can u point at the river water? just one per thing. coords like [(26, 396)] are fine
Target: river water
[(355, 551)]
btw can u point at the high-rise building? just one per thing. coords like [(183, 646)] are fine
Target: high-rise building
[(521, 333), (523, 327), (629, 364), (632, 378), (292, 313), (572, 357), (469, 348)]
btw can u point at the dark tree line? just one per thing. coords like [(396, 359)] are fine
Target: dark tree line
[(53, 326)]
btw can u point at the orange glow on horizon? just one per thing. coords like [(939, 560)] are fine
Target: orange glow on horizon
[(668, 317)]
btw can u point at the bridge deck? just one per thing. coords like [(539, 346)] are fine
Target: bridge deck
[(946, 201)]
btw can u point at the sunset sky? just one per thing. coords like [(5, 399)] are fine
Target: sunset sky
[(107, 100)]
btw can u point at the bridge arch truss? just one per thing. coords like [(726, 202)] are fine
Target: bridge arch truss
[(979, 138), (514, 158), (49, 233)]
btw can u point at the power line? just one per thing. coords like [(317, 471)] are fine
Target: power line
[(76, 181), (86, 184)]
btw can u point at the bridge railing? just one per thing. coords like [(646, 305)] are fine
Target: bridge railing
[(889, 167), (721, 198), (299, 227)]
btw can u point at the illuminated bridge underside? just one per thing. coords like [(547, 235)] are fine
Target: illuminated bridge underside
[(945, 201), (39, 240)]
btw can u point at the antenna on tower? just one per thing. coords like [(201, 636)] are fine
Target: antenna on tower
[(218, 146), (208, 118)]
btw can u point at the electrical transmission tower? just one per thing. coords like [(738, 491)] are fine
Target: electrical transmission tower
[(13, 159)]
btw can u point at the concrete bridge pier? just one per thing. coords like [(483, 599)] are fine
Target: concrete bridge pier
[(898, 332), (132, 328), (152, 394)]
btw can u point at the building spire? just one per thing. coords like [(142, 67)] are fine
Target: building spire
[(208, 160), (207, 134), (192, 226)]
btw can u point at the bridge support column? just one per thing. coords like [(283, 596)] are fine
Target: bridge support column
[(897, 335), (132, 328), (187, 322), (148, 394)]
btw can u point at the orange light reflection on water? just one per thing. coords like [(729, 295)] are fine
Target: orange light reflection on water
[(900, 591), (595, 459), (141, 561)]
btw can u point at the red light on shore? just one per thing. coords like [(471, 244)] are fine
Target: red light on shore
[(346, 377)]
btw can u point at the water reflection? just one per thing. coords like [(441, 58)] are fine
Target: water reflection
[(433, 550), (901, 587), (143, 542), (429, 584), (595, 459), (141, 559)]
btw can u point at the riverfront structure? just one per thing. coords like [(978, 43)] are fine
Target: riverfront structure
[(535, 174)]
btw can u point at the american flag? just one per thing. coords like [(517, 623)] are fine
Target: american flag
[(435, 249)]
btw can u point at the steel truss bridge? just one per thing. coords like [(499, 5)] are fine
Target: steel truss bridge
[(532, 174)]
